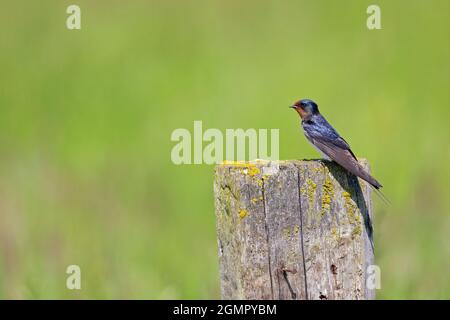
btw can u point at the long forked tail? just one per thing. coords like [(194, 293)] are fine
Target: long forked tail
[(374, 184), (382, 196)]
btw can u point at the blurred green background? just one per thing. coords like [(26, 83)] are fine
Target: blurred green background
[(86, 117)]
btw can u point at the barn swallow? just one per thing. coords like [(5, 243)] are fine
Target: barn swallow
[(328, 141)]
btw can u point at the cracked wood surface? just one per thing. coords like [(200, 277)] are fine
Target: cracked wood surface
[(292, 230)]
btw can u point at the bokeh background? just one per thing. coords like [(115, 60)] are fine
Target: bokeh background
[(86, 117)]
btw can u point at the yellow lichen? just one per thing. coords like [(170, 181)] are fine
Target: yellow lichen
[(234, 163), (311, 189), (263, 178), (317, 170), (255, 200), (302, 190), (335, 233), (350, 208), (246, 167), (327, 195), (356, 231), (242, 213), (253, 170)]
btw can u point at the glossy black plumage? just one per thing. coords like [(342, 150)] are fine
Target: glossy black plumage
[(328, 141)]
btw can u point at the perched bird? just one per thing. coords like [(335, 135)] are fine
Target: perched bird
[(328, 142)]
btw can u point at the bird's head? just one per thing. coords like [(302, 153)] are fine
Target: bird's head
[(306, 108)]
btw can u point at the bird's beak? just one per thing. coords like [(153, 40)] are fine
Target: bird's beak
[(292, 107)]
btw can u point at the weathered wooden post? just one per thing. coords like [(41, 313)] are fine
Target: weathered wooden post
[(292, 230)]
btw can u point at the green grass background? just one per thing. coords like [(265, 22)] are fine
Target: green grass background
[(86, 118)]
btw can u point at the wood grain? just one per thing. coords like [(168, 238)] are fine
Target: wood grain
[(292, 230)]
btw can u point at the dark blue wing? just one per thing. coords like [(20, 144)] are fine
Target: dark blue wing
[(318, 129), (325, 138)]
